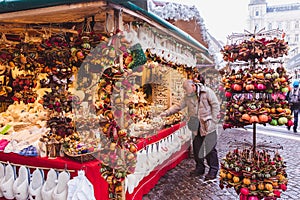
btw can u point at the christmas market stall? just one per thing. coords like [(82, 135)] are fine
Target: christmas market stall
[(255, 83), (82, 85)]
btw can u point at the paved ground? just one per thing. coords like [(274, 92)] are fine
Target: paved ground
[(177, 185)]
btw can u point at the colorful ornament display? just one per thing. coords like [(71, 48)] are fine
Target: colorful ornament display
[(255, 90), (255, 49), (261, 79), (254, 175)]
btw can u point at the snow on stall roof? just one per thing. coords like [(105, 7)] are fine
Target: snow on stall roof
[(174, 11)]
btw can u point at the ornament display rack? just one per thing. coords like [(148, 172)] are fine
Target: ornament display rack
[(253, 62), (255, 94)]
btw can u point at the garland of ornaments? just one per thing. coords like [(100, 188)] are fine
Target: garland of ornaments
[(118, 154), (255, 88)]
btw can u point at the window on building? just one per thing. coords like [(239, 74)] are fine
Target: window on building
[(287, 25), (279, 25), (257, 13), (297, 38), (270, 26), (288, 37), (297, 24)]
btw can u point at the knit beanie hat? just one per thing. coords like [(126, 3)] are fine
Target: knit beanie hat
[(296, 83)]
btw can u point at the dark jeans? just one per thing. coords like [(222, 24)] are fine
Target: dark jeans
[(295, 112), (204, 147)]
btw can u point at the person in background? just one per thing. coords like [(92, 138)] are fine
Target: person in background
[(205, 137), (294, 100)]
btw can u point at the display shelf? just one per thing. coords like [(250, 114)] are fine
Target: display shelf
[(256, 84)]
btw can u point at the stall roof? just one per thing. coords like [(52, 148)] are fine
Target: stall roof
[(19, 5), (15, 6), (170, 27), (50, 11)]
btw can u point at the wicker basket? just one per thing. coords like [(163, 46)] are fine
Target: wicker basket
[(83, 157)]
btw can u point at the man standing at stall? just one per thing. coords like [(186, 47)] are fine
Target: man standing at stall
[(203, 105)]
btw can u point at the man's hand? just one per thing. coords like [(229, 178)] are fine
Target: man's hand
[(163, 114)]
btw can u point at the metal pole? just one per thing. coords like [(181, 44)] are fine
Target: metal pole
[(254, 138)]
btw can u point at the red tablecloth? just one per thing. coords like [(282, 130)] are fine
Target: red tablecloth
[(92, 168)]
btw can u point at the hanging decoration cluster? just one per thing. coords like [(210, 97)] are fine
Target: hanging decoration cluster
[(256, 96), (255, 88), (256, 91), (254, 175), (255, 49)]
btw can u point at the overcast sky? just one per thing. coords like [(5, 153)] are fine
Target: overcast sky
[(224, 17)]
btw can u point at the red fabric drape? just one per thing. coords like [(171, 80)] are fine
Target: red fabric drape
[(160, 135), (91, 168)]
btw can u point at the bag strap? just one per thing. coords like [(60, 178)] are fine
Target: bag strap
[(198, 94)]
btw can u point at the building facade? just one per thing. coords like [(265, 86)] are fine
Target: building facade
[(284, 17)]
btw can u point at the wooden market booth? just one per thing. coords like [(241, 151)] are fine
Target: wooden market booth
[(101, 33)]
